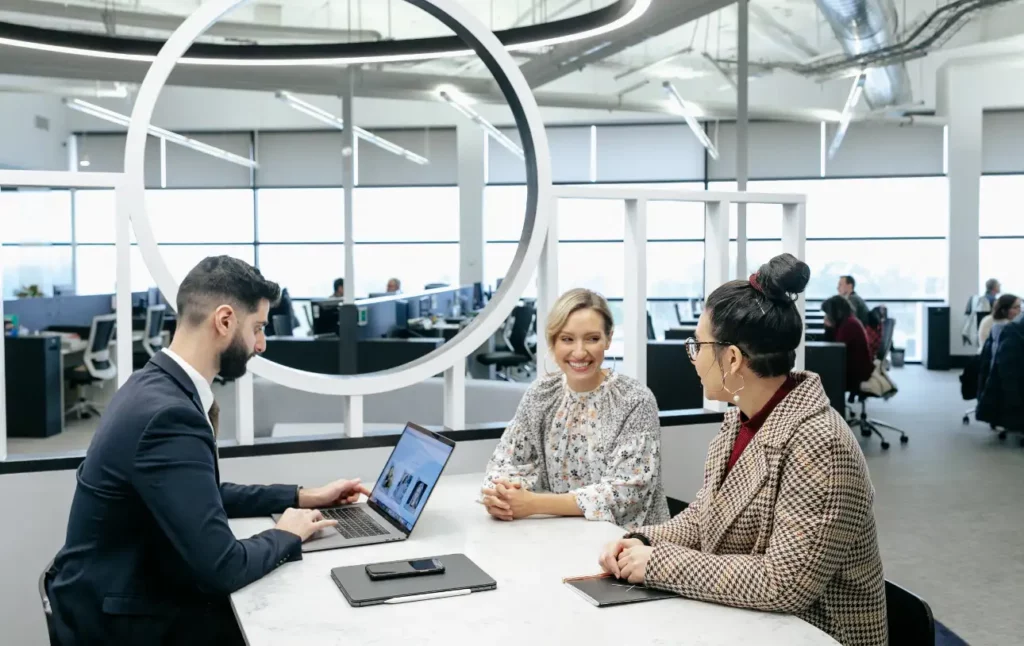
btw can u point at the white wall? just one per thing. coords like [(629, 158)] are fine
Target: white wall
[(22, 144), (34, 506)]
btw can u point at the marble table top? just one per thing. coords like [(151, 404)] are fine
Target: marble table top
[(299, 603)]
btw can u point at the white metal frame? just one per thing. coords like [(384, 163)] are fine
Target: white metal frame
[(716, 254)]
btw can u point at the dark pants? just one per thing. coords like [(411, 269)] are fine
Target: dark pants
[(214, 625)]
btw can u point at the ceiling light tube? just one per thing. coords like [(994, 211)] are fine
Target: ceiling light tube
[(638, 9), (687, 112), (463, 108), (326, 117), (852, 99), (110, 116)]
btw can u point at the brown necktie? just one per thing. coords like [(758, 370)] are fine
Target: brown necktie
[(215, 416)]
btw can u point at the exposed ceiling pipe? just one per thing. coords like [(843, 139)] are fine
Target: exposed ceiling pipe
[(867, 25)]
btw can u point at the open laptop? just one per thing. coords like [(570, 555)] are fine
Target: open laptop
[(397, 499)]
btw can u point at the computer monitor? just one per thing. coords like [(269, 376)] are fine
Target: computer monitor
[(153, 294), (410, 475), (425, 308), (325, 317), (479, 299)]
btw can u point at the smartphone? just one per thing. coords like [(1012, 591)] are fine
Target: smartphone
[(402, 569)]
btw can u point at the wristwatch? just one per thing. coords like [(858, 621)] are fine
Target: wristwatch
[(640, 537)]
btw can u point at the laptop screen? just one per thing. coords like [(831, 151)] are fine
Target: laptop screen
[(410, 475)]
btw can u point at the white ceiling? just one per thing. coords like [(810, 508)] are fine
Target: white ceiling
[(781, 31)]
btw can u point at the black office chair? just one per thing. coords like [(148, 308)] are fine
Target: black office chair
[(282, 325), (909, 616), (870, 426), (651, 336), (97, 366), (44, 599), (518, 357)]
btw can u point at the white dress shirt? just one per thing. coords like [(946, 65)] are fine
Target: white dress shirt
[(202, 386)]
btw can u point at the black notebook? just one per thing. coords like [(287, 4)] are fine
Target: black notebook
[(605, 590)]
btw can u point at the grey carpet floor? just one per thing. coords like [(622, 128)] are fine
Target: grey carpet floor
[(950, 510)]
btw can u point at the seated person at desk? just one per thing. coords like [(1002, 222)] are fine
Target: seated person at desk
[(339, 288), (1006, 309), (846, 287), (394, 286), (783, 522), (584, 441), (149, 557), (283, 307), (843, 327)]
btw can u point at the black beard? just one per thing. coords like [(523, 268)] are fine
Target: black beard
[(234, 360)]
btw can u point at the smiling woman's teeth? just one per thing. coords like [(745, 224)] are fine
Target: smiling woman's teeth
[(579, 365)]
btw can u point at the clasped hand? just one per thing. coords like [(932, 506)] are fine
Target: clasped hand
[(507, 500), (626, 559)]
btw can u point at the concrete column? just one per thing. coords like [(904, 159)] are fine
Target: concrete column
[(348, 181), (964, 113), (742, 122), (472, 241)]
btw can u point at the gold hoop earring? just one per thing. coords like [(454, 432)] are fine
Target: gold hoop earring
[(735, 393)]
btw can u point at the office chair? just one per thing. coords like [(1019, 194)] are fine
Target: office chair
[(97, 366), (154, 338), (44, 599), (909, 617), (282, 325), (651, 336), (870, 426), (519, 358)]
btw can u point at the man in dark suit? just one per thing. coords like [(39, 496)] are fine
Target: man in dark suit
[(149, 557)]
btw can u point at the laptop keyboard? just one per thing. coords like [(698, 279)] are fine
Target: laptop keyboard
[(353, 522)]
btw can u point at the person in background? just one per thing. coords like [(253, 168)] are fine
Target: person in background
[(394, 286), (585, 441), (149, 557), (976, 306), (282, 308), (1005, 309), (875, 329), (1001, 378), (339, 288), (846, 288), (843, 327), (784, 520)]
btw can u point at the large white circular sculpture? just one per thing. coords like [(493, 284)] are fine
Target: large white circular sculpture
[(131, 199)]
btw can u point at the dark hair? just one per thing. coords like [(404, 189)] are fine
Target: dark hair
[(338, 282), (850, 281), (219, 279), (760, 316), (838, 309), (1002, 308)]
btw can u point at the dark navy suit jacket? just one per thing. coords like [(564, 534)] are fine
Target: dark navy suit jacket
[(148, 542)]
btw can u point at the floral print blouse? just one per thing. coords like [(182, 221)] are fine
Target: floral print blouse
[(603, 446)]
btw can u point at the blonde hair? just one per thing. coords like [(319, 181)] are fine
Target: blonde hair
[(575, 300)]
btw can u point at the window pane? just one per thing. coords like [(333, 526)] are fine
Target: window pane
[(410, 214), (675, 269), (497, 259), (96, 270), (181, 259), (591, 220), (43, 267), (94, 217), (504, 212), (1000, 259), (758, 253), (35, 216), (308, 271), (414, 265), (1001, 196), (212, 215), (301, 215), (904, 207), (595, 265), (887, 269)]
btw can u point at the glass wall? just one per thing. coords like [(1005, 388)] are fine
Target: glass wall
[(1002, 232)]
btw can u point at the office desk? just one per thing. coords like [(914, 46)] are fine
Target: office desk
[(300, 604)]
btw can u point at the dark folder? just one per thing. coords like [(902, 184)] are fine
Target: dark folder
[(605, 590)]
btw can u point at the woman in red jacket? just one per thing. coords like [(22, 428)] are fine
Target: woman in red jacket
[(844, 327)]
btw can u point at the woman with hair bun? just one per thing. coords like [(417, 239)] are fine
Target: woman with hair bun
[(784, 521)]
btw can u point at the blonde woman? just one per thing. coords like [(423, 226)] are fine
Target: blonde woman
[(585, 441)]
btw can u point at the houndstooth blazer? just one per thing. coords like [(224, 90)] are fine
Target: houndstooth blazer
[(790, 529)]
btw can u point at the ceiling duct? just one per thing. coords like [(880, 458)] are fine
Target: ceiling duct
[(863, 26)]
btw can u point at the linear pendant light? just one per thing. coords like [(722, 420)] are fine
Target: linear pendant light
[(687, 111), (856, 90), (462, 106), (110, 116), (326, 117)]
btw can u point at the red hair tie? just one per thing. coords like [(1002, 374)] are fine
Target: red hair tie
[(755, 284)]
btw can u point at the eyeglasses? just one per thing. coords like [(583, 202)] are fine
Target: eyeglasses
[(692, 346)]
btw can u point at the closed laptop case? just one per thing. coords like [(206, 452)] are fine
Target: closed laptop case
[(460, 573)]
